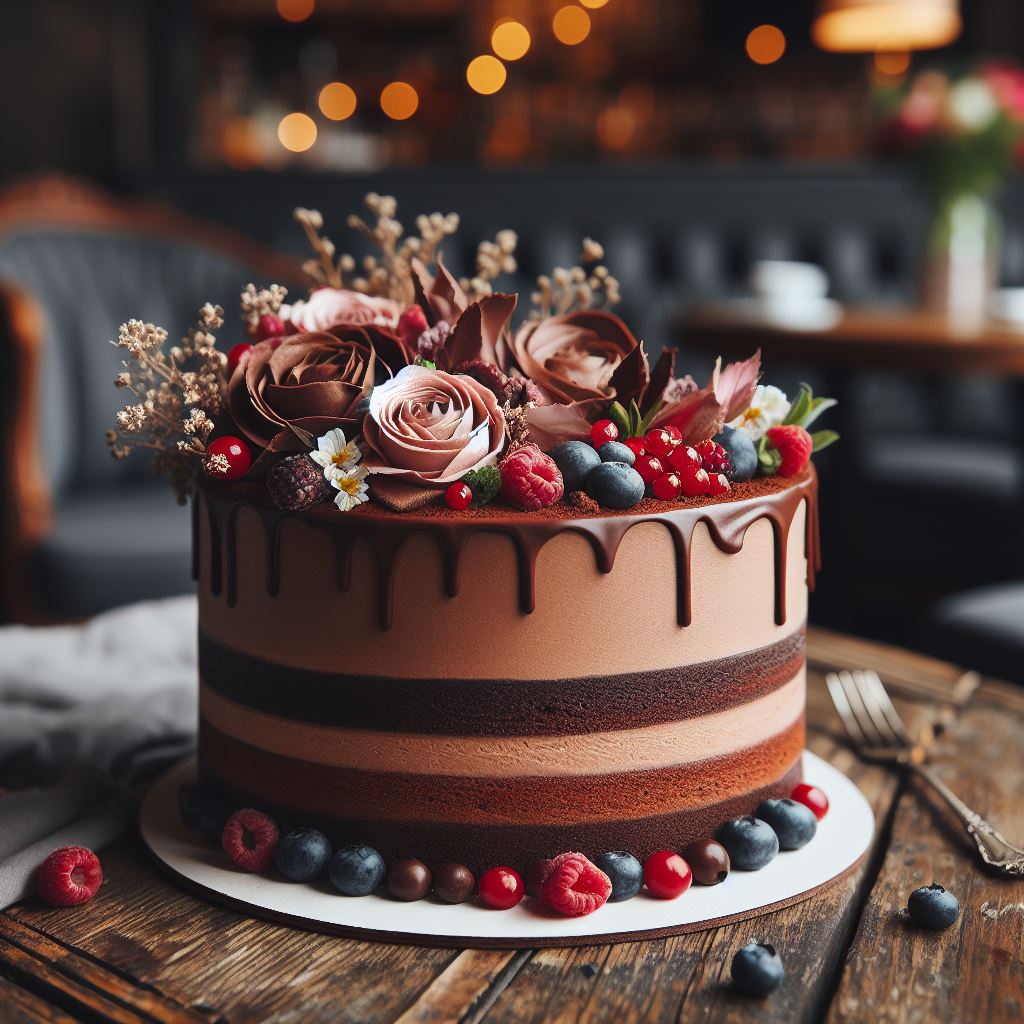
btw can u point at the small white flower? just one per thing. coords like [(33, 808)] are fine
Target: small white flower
[(768, 408), (336, 454), (972, 106), (351, 489)]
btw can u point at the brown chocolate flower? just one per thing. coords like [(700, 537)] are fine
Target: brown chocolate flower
[(307, 385)]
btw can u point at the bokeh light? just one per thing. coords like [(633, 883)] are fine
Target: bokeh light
[(337, 101), (571, 25), (892, 62), (296, 132), (485, 74), (510, 40), (295, 10), (594, 5), (766, 44), (399, 100)]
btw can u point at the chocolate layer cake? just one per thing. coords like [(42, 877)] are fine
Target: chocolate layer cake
[(494, 686)]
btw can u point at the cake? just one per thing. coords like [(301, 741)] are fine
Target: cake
[(558, 602)]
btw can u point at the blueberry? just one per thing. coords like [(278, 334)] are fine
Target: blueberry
[(932, 907), (626, 874), (757, 969), (356, 870), (793, 823), (616, 451), (204, 809), (614, 485), (302, 854), (751, 842), (742, 452), (575, 459)]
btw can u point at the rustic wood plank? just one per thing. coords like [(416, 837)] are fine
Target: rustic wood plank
[(219, 963), (975, 970), (20, 1007)]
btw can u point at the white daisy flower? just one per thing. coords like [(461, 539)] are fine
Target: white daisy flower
[(768, 408), (351, 488), (336, 454)]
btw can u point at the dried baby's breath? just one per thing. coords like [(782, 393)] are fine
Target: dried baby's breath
[(568, 289)]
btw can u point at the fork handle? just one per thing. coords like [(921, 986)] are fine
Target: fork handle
[(994, 848)]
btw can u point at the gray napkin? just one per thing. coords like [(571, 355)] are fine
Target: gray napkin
[(88, 714)]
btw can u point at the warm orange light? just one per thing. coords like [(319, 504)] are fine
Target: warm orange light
[(892, 62), (616, 127), (571, 25), (337, 101), (510, 40), (399, 100), (765, 44), (594, 5), (295, 10), (485, 74), (866, 25), (296, 132)]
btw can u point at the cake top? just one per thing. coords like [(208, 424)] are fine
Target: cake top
[(395, 384)]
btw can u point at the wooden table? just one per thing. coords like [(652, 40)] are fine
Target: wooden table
[(144, 950)]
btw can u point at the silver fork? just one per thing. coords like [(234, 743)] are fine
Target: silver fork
[(878, 733)]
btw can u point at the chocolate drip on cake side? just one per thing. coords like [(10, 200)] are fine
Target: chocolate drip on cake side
[(385, 533)]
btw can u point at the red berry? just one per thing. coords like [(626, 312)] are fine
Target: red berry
[(69, 876), (635, 445), (718, 483), (668, 486), (411, 324), (794, 444), (458, 496), (685, 459), (667, 875), (501, 888), (249, 839), (705, 448), (675, 433), (695, 482), (812, 797), (602, 432), (714, 458), (575, 886), (530, 479), (269, 326), (236, 451), (237, 354), (649, 468), (659, 442)]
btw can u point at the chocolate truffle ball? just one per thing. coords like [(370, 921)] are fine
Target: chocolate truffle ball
[(409, 880), (708, 860), (454, 883)]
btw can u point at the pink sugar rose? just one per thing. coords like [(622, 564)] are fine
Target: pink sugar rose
[(329, 307)]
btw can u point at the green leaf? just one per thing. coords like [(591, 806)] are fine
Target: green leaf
[(620, 418), (484, 483), (420, 361), (636, 421), (800, 405), (823, 438), (768, 457), (818, 406), (645, 423)]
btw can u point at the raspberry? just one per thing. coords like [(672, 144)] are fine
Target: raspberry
[(411, 324), (269, 326), (250, 839), (575, 886), (69, 876), (297, 483), (530, 479), (794, 444), (714, 458)]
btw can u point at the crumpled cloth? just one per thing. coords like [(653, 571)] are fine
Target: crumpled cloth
[(88, 714)]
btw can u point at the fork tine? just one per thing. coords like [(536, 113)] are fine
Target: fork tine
[(872, 707), (873, 737), (842, 705), (885, 705)]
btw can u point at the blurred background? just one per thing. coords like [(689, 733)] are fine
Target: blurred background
[(832, 180)]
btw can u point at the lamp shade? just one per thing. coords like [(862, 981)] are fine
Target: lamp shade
[(871, 25)]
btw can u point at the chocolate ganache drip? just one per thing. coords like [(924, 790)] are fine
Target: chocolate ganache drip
[(385, 533)]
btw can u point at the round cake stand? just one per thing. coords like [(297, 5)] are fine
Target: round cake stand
[(842, 840)]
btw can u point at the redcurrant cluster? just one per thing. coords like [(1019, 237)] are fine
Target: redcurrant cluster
[(671, 469)]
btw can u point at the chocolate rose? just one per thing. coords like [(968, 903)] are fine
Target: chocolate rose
[(307, 385), (328, 307), (572, 358), (430, 428)]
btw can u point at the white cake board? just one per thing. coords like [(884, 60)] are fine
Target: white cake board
[(842, 840)]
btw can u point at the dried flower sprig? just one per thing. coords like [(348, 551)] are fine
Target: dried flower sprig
[(566, 290), (492, 260), (179, 392), (257, 302)]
